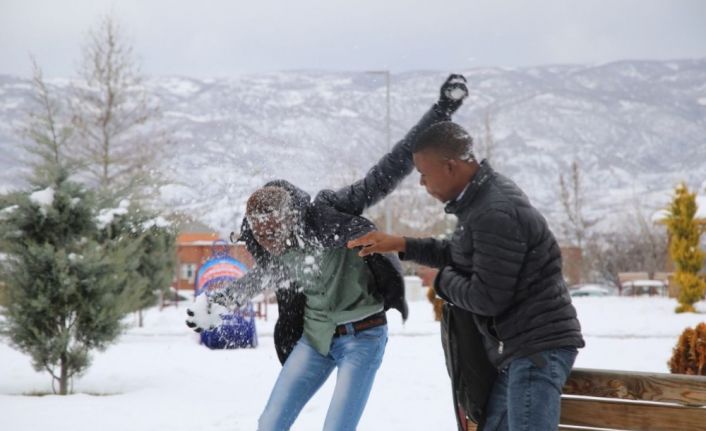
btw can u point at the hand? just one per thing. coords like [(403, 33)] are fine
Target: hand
[(377, 242), (452, 93), (204, 314)]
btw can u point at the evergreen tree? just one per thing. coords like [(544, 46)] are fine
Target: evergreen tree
[(68, 282), (157, 263), (49, 134), (684, 249), (118, 145), (152, 262), (117, 142), (65, 289), (108, 147)]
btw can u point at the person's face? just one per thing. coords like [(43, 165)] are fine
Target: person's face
[(436, 174), (270, 232)]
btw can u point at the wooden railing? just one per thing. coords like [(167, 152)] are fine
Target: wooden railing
[(634, 401)]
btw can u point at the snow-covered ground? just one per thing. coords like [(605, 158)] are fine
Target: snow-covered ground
[(159, 378)]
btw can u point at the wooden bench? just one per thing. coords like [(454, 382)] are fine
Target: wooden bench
[(627, 400)]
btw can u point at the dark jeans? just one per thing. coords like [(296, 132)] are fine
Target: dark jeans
[(527, 394)]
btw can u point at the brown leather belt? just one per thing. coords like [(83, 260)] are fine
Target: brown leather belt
[(373, 321)]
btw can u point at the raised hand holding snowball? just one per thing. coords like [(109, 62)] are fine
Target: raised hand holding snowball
[(452, 93), (204, 314)]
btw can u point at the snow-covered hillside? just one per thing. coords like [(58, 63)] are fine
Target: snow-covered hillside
[(636, 128)]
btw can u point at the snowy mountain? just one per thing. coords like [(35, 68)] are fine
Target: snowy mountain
[(636, 128)]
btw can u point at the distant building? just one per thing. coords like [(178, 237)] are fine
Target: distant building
[(194, 248)]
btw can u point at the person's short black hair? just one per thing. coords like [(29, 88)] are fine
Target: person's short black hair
[(447, 139), (269, 200)]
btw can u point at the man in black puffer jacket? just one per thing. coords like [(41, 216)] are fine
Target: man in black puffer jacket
[(503, 265)]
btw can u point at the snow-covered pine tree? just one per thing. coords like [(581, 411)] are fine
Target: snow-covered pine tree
[(65, 290), (119, 145), (68, 283), (154, 258), (157, 262), (684, 236)]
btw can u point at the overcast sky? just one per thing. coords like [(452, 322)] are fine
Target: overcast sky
[(204, 38)]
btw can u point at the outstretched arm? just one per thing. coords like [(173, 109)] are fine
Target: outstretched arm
[(393, 167), (207, 309), (425, 251)]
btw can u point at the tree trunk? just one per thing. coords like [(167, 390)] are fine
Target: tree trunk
[(63, 377), (140, 320)]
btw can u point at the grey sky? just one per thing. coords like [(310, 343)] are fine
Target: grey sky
[(225, 37)]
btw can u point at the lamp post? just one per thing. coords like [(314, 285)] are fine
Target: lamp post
[(386, 73)]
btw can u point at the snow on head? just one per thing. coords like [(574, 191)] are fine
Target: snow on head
[(43, 199), (467, 154)]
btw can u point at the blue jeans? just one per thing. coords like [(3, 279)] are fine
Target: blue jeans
[(527, 393), (357, 356)]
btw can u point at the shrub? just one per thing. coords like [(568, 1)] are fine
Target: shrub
[(689, 355)]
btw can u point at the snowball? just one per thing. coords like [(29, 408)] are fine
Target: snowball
[(207, 315), (456, 94)]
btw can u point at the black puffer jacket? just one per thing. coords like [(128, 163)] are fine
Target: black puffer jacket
[(504, 265), (330, 221)]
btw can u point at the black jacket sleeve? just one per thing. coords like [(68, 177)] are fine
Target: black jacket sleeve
[(389, 171), (427, 251), (498, 256)]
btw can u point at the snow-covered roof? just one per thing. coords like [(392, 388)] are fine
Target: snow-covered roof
[(200, 243), (655, 283), (592, 288)]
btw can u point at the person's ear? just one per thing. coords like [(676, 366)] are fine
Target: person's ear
[(451, 165)]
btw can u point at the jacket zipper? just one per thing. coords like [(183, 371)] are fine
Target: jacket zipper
[(501, 347)]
